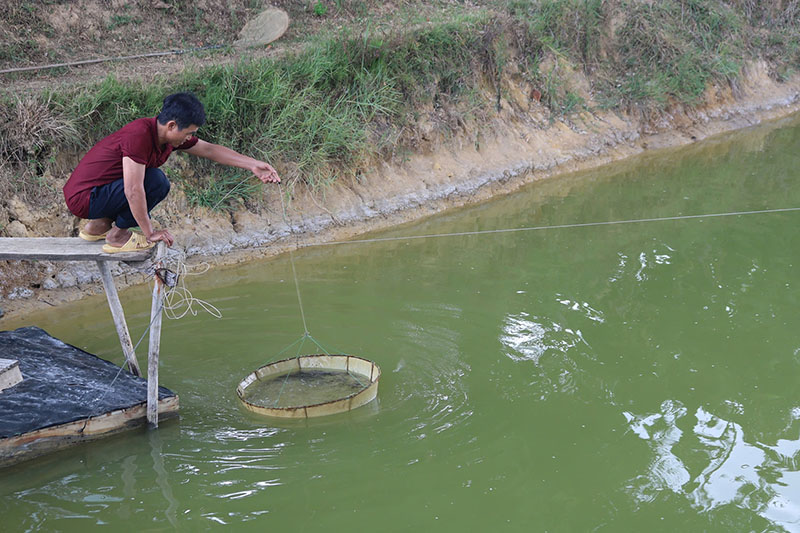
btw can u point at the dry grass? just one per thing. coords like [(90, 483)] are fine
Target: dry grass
[(29, 126), (31, 130)]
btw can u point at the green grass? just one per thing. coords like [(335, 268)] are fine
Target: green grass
[(672, 50), (352, 96), (17, 51), (572, 27)]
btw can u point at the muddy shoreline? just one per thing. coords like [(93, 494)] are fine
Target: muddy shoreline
[(468, 169)]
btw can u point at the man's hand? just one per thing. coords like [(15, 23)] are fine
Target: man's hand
[(265, 172), (161, 235)]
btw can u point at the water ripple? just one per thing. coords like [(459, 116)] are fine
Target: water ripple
[(435, 376), (647, 260), (582, 307), (530, 337), (558, 354)]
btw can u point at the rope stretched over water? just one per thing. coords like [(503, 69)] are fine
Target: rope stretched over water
[(559, 226), (307, 335)]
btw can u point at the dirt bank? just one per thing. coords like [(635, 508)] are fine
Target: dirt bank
[(518, 147)]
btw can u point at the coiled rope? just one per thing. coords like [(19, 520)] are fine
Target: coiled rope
[(178, 301)]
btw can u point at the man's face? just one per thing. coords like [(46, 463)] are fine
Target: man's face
[(177, 136)]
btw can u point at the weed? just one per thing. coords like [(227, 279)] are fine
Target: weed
[(14, 51), (672, 50), (31, 127), (571, 27), (320, 9)]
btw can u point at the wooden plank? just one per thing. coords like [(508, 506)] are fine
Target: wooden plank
[(119, 317), (155, 338), (39, 442), (62, 249)]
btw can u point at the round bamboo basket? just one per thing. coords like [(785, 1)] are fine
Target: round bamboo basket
[(356, 366)]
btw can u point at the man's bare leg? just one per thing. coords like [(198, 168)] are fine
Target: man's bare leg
[(118, 236), (97, 226)]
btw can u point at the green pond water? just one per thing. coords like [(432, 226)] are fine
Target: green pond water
[(634, 377)]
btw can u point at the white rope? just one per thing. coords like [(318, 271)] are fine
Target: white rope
[(559, 226), (294, 271), (176, 297)]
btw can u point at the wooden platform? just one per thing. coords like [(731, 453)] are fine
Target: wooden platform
[(76, 249), (63, 249), (67, 396)]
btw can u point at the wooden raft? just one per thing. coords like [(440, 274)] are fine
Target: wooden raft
[(67, 396), (76, 249)]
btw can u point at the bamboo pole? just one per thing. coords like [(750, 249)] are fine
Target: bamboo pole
[(119, 317), (155, 339)]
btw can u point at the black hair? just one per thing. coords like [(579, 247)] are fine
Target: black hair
[(184, 108)]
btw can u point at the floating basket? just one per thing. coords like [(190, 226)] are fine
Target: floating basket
[(310, 385)]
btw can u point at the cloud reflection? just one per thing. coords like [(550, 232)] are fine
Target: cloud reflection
[(753, 476)]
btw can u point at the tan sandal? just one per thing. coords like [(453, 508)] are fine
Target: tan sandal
[(92, 238), (136, 243)]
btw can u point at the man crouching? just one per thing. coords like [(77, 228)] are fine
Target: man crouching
[(118, 182)]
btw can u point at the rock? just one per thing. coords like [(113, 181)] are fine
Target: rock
[(16, 229), (268, 26), (426, 130), (86, 274), (20, 293), (66, 278), (19, 210), (2, 312)]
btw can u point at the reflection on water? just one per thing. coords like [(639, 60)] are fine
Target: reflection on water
[(530, 337), (713, 466), (582, 307), (162, 477)]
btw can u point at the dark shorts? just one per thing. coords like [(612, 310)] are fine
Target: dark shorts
[(109, 200)]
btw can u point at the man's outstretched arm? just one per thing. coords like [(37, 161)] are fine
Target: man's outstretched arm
[(226, 156)]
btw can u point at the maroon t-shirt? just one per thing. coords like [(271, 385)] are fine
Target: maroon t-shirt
[(103, 163)]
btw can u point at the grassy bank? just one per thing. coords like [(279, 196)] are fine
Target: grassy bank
[(351, 96)]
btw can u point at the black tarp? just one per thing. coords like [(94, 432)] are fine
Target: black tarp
[(61, 384)]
